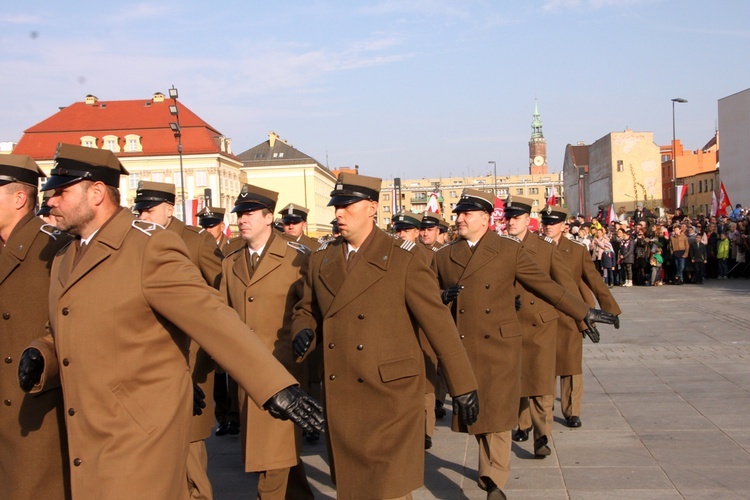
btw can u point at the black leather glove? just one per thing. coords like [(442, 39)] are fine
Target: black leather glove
[(591, 333), (198, 400), (466, 407), (617, 322), (598, 316), (293, 404), (451, 293), (518, 303), (30, 369), (302, 341)]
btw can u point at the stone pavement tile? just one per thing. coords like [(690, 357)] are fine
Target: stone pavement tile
[(601, 449), (714, 495), (522, 455), (706, 477), (624, 495), (694, 448), (657, 416), (667, 396), (739, 436), (601, 417), (616, 478), (526, 479)]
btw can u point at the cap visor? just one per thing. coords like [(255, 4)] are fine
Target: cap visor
[(143, 205), (58, 181), (248, 206), (341, 201)]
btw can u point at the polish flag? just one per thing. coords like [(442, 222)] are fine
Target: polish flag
[(724, 202), (552, 200), (432, 204), (611, 216), (680, 192), (714, 204)]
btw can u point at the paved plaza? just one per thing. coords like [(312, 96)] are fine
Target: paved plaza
[(666, 413)]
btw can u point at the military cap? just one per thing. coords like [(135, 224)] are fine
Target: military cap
[(255, 198), (554, 215), (407, 221), (149, 194), (473, 200), (78, 163), (210, 216), (431, 219), (19, 168), (516, 205), (443, 226), (351, 188), (45, 209), (292, 214)]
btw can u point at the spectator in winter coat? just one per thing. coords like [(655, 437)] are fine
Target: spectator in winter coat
[(678, 245), (698, 256), (722, 256), (626, 258), (608, 263)]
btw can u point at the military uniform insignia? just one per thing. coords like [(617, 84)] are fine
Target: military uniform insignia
[(408, 245), (324, 245), (509, 237), (146, 227), (547, 239), (549, 210), (50, 231), (303, 249), (435, 249)]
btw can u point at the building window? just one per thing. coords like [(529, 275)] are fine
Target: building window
[(665, 158), (536, 203), (692, 188), (452, 194), (157, 177), (533, 190), (386, 208), (133, 143), (88, 141), (177, 179), (133, 181), (386, 220), (386, 197), (420, 196), (503, 191), (519, 191), (201, 179), (712, 184), (112, 143), (700, 187), (620, 166)]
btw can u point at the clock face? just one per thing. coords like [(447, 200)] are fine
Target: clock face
[(538, 161)]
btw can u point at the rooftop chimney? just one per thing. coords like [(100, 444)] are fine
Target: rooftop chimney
[(91, 100), (158, 97), (272, 136)]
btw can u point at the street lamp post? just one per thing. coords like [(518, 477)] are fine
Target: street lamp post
[(494, 182), (174, 111), (674, 147)]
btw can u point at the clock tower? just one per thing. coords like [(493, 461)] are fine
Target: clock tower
[(537, 146)]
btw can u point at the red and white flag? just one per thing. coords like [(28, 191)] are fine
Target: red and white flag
[(724, 202), (680, 192), (432, 204), (498, 219), (552, 199), (714, 204), (611, 216)]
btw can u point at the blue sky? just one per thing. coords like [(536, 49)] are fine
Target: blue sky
[(420, 88)]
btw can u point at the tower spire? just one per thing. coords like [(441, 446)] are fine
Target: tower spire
[(536, 124)]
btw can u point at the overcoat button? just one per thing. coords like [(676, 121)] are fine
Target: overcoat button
[(9, 360), (250, 299), (6, 315), (533, 324), (461, 311), (462, 336), (331, 345), (486, 336), (360, 380), (65, 311), (7, 402), (332, 377), (487, 286), (531, 302), (71, 412), (361, 316), (360, 347), (77, 462), (66, 362), (487, 311)]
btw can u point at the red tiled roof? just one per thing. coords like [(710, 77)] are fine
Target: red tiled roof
[(144, 117)]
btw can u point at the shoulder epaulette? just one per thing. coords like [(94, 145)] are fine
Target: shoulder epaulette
[(435, 249), (546, 238), (50, 231), (407, 245), (509, 237), (324, 245), (146, 227), (303, 249)]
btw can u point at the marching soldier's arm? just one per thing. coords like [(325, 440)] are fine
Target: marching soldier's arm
[(306, 315), (593, 279), (50, 377)]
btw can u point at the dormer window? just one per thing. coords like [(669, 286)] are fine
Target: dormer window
[(88, 141), (111, 142), (133, 144)]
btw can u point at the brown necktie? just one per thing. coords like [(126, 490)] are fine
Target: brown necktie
[(351, 255), (80, 250), (254, 260)]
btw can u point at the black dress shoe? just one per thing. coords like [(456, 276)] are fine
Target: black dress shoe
[(573, 421), (427, 442), (493, 491), (234, 428), (439, 410), (521, 435), (223, 429), (541, 449)]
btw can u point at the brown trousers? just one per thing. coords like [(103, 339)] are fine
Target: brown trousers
[(571, 394), (197, 478), (279, 484), (494, 457), (429, 408), (535, 412)]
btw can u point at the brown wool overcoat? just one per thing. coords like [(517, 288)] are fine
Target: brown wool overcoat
[(569, 339), (373, 363), (487, 321), (118, 344), (539, 318), (206, 256), (33, 454), (264, 300)]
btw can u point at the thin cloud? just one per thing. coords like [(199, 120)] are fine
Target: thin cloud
[(557, 5)]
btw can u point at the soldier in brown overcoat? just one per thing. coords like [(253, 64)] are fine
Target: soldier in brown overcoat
[(569, 358), (154, 202), (539, 322), (33, 452), (124, 302), (294, 222), (262, 281), (478, 273), (369, 309)]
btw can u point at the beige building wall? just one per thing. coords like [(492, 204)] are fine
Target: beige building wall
[(624, 168), (309, 185), (700, 188)]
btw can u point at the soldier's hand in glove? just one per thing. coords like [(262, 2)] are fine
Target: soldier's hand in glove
[(598, 316), (466, 407), (198, 400), (302, 342), (30, 369), (451, 293), (591, 333), (293, 404), (518, 303)]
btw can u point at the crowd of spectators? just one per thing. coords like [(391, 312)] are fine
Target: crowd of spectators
[(640, 249)]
